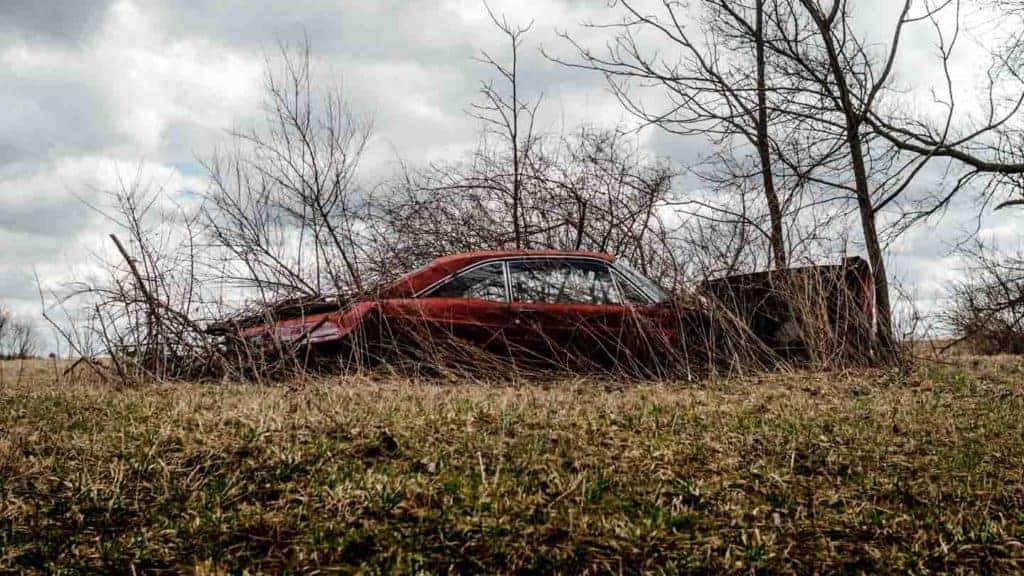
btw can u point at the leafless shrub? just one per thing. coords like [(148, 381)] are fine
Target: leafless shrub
[(277, 232), (17, 337), (283, 210), (986, 309), (591, 189), (143, 311)]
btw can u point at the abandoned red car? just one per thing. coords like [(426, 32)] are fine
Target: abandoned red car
[(561, 307)]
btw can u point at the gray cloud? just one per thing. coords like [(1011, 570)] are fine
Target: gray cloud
[(60, 21), (96, 86), (48, 116)]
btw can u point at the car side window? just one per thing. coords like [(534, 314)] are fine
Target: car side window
[(486, 282), (562, 281), (630, 293)]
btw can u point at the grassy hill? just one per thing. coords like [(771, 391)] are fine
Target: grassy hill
[(797, 472)]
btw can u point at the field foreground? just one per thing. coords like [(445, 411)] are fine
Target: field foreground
[(801, 472)]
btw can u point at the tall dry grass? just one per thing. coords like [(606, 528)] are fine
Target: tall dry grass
[(797, 472)]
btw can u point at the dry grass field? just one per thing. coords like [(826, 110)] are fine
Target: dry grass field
[(839, 472)]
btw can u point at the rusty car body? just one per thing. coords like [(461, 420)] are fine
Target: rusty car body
[(566, 308)]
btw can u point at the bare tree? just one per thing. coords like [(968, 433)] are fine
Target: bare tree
[(505, 114), (284, 208), (846, 81), (17, 336), (1007, 19), (818, 108), (988, 138), (706, 83), (143, 310), (987, 307), (852, 80), (589, 189), (845, 86)]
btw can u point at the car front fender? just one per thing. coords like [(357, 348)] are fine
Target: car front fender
[(316, 328)]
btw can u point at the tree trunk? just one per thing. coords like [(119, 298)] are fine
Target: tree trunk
[(853, 121), (778, 242), (883, 306), (517, 230)]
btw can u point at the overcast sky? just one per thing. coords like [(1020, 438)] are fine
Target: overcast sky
[(94, 88)]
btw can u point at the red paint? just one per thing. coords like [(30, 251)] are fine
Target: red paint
[(588, 330), (324, 327), (477, 320)]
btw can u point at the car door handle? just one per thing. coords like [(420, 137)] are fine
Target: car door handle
[(524, 314)]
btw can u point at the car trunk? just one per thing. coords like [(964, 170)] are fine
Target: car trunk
[(795, 309)]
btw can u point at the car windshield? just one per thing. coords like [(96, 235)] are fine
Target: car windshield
[(646, 284)]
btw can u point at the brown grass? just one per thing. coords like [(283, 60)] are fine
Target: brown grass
[(873, 472)]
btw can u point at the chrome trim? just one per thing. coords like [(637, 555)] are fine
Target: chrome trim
[(617, 277), (508, 281), (620, 275)]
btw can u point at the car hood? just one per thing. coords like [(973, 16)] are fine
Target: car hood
[(315, 328)]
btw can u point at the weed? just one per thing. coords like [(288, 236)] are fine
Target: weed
[(797, 472)]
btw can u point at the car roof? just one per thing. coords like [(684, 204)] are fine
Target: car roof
[(414, 282)]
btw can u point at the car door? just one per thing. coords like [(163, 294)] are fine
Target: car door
[(566, 311), (472, 306)]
